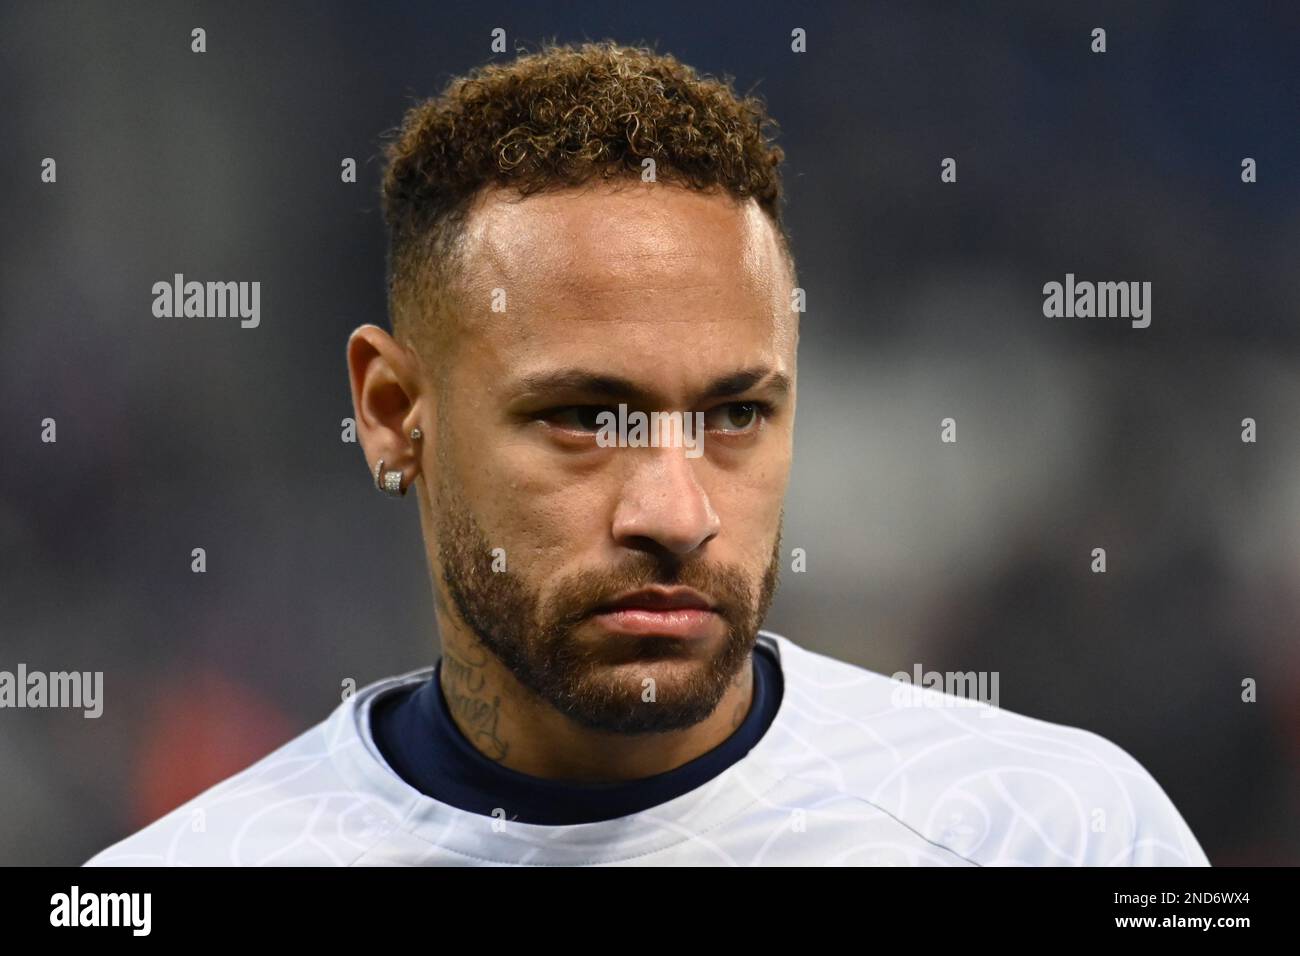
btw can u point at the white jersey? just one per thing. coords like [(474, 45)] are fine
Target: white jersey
[(854, 770)]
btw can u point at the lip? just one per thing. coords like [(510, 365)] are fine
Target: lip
[(659, 599), (671, 612)]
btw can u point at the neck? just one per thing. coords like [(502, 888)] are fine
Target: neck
[(508, 723)]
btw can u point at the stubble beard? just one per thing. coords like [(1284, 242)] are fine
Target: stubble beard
[(602, 685)]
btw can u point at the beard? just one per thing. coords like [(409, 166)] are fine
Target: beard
[(600, 684)]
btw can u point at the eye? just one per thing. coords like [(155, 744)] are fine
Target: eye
[(737, 417), (580, 418)]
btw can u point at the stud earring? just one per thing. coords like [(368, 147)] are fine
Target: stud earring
[(416, 434), (389, 482)]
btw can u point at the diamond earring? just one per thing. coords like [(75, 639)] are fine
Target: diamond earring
[(389, 482)]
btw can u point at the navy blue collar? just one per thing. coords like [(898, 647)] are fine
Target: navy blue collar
[(417, 736)]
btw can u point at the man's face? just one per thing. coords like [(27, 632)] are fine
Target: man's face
[(664, 299)]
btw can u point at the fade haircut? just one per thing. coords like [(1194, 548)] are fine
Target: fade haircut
[(561, 117)]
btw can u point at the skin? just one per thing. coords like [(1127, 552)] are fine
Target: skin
[(671, 289)]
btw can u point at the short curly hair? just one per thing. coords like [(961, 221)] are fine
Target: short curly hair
[(557, 118)]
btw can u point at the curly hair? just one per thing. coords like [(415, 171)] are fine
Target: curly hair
[(561, 117)]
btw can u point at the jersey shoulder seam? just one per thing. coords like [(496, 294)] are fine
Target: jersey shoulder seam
[(785, 775)]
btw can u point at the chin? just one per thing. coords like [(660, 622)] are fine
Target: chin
[(645, 650), (627, 703), (667, 672)]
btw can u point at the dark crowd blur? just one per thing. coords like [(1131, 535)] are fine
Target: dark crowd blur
[(925, 301)]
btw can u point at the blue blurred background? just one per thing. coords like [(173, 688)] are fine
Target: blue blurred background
[(924, 302)]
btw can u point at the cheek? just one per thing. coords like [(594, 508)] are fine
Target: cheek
[(549, 506), (545, 525), (546, 517), (760, 486), (750, 510), (750, 533)]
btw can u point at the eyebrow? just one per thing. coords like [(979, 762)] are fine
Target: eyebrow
[(617, 387)]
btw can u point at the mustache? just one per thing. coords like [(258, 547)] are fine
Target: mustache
[(579, 596)]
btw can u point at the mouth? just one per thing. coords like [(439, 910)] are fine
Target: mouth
[(667, 612)]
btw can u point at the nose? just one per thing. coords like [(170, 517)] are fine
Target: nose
[(663, 506)]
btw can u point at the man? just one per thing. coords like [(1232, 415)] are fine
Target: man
[(581, 235)]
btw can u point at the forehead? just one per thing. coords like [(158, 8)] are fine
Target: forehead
[(588, 234), (621, 274)]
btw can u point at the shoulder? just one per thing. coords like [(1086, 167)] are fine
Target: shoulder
[(304, 804), (995, 787)]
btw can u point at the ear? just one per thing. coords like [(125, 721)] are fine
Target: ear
[(387, 401)]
